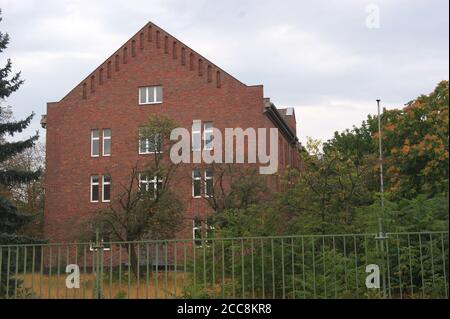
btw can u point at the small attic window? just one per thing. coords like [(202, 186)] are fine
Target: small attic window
[(191, 61), (125, 55), (117, 63), (133, 48), (166, 44), (84, 91), (218, 79), (200, 67), (158, 39), (141, 40), (109, 70), (209, 73), (149, 34), (174, 49), (183, 56)]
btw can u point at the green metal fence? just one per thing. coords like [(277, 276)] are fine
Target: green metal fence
[(412, 265)]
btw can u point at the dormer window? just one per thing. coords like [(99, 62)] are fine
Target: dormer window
[(150, 95)]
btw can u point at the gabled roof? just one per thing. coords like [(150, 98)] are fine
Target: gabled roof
[(148, 35)]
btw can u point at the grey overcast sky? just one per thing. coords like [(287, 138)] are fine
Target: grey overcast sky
[(317, 56)]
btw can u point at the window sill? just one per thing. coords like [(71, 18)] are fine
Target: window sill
[(151, 103), (150, 153)]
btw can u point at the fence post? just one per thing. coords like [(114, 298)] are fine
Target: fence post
[(381, 238), (97, 248)]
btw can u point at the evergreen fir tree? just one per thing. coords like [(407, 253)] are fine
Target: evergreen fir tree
[(11, 220)]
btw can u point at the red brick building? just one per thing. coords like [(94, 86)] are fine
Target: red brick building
[(91, 133)]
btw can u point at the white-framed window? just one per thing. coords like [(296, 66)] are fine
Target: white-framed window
[(202, 232), (105, 241), (150, 95), (106, 142), (150, 145), (95, 143), (209, 183), (196, 183), (94, 189), (151, 185), (106, 188), (208, 136), (196, 135), (197, 232)]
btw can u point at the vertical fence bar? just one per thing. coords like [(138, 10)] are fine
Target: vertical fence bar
[(335, 268), (356, 266), (388, 269), (204, 265), (129, 271), (443, 265), (184, 262), (314, 267), (432, 261), (33, 265), (165, 271), (120, 267), (156, 269), (194, 258), (213, 243), (8, 270), (49, 271), (16, 272), (223, 270), (41, 272), (24, 262), (293, 268), (232, 269), (147, 274), (421, 266), (111, 266), (262, 269), (75, 291), (345, 264), (273, 269), (410, 267), (58, 270), (242, 268), (399, 268), (366, 259), (138, 270), (67, 262), (175, 269), (283, 283), (84, 277), (324, 267), (252, 247), (1, 266), (303, 268)]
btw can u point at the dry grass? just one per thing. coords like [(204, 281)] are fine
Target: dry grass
[(170, 285)]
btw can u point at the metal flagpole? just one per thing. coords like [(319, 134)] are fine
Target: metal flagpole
[(380, 147), (381, 235)]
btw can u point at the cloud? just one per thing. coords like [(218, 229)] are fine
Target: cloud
[(316, 56)]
